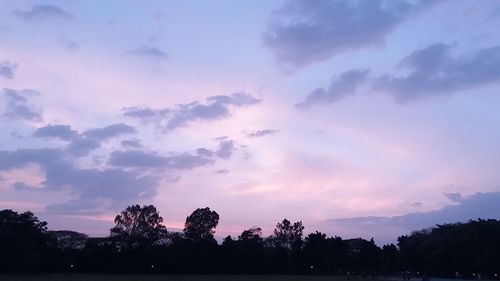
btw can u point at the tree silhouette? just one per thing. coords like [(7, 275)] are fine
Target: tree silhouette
[(138, 227), (391, 258), (471, 247), (136, 245), (253, 234), (288, 235), (22, 241), (201, 224), (316, 251)]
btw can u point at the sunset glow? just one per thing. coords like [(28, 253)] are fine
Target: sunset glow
[(260, 110)]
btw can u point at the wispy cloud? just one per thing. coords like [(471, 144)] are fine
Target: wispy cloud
[(454, 196), (215, 108), (18, 107), (146, 114), (262, 133), (39, 13), (68, 43), (226, 149), (175, 161), (342, 86), (7, 69), (148, 51)]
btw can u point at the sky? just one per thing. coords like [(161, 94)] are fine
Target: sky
[(359, 118)]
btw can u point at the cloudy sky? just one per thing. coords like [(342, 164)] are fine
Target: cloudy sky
[(360, 118)]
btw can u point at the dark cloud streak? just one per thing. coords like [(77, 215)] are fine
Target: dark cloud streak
[(177, 161), (432, 72), (110, 131), (435, 72), (304, 32), (479, 205), (148, 51), (215, 108), (81, 144), (342, 86), (262, 133), (63, 132)]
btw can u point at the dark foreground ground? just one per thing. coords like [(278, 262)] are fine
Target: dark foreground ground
[(102, 277), (106, 277)]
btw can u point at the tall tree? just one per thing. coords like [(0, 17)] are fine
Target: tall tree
[(139, 227), (316, 251), (201, 224), (288, 235)]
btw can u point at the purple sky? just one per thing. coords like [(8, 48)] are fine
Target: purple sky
[(360, 118)]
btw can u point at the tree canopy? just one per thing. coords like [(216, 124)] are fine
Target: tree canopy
[(288, 235), (138, 226), (253, 234), (22, 237), (201, 224)]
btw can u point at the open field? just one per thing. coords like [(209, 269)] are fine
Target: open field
[(103, 277)]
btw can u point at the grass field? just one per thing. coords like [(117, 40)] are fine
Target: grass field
[(99, 277)]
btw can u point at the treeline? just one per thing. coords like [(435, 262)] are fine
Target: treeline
[(139, 243)]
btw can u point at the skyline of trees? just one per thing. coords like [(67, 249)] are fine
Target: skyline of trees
[(140, 243)]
